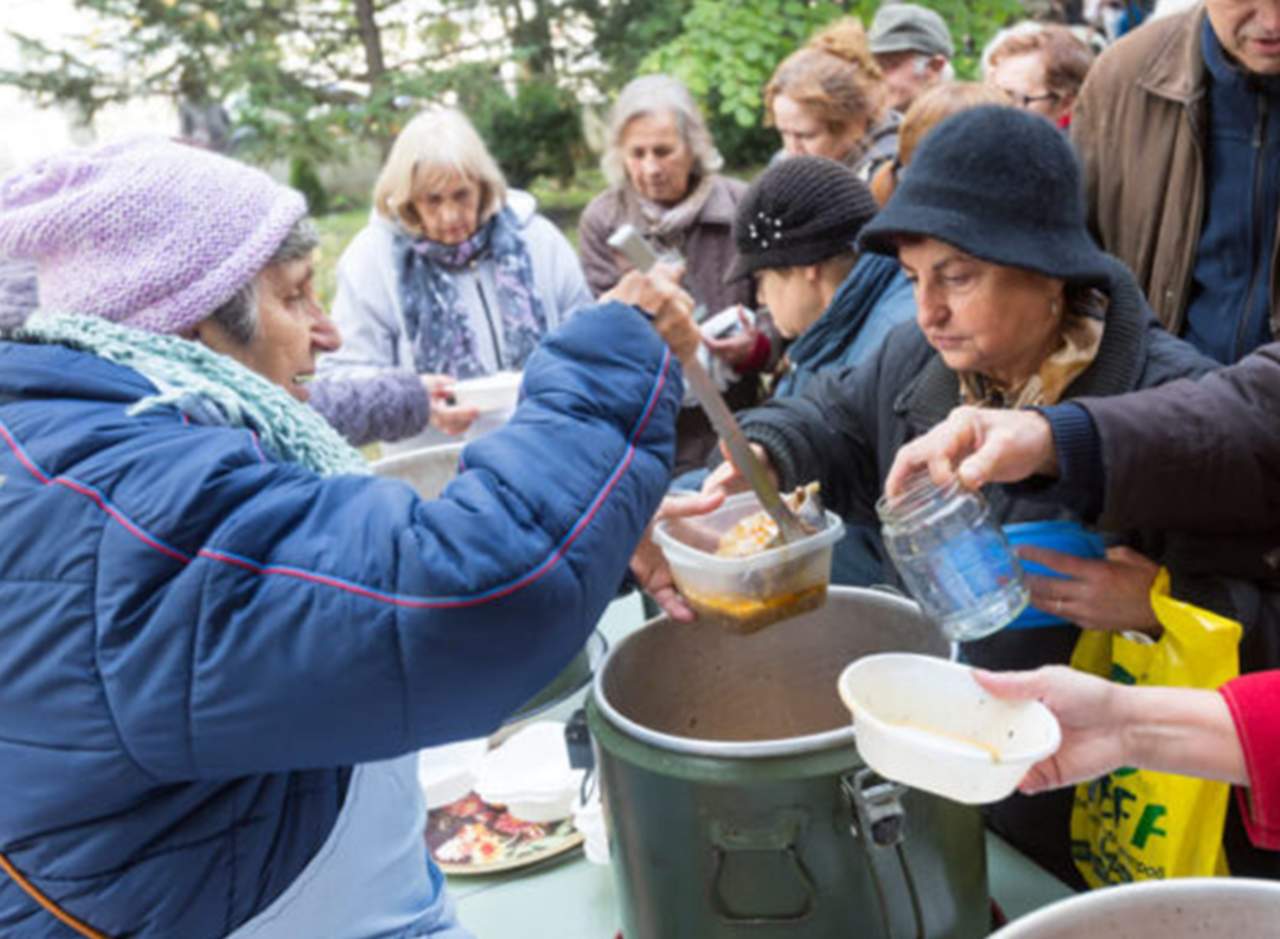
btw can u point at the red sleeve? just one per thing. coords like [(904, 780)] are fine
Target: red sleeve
[(1254, 701), (759, 356)]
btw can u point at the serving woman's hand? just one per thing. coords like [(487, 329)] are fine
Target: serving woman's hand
[(979, 446), (1112, 594), (659, 294), (648, 563), (447, 416)]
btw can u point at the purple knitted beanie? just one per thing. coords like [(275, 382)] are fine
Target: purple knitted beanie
[(147, 232)]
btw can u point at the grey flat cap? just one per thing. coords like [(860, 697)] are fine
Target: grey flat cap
[(907, 27)]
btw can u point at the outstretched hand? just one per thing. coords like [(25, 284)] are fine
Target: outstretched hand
[(978, 446), (648, 563), (1089, 713)]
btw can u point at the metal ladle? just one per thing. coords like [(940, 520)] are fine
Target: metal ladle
[(632, 245)]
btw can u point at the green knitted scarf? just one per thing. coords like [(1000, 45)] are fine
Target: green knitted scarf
[(184, 370)]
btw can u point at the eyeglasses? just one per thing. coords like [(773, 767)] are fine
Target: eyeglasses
[(1025, 101)]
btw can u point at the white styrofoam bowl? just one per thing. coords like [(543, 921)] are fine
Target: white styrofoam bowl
[(447, 773), (497, 392), (925, 722), (529, 773)]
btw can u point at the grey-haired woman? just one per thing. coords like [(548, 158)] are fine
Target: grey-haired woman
[(662, 164)]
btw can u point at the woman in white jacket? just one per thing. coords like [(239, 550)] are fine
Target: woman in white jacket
[(454, 277)]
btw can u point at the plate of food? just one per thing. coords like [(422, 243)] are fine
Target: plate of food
[(470, 836)]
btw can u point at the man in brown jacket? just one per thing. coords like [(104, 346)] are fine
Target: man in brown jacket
[(1178, 127)]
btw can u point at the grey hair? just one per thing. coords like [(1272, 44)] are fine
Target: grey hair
[(655, 94), (239, 315)]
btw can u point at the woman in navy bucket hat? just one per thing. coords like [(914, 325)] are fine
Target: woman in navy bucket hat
[(1015, 307), (1020, 204)]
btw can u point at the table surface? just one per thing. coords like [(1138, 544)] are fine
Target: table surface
[(574, 899)]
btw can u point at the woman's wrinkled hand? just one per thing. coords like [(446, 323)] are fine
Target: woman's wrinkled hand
[(659, 294), (726, 479), (978, 446), (1090, 714), (446, 415), (1112, 594), (648, 563)]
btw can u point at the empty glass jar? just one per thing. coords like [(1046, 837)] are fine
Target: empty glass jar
[(952, 558)]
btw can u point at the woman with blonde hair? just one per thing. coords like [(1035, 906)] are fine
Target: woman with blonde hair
[(455, 276), (828, 99), (932, 107)]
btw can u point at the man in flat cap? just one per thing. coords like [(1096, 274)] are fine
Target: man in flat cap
[(913, 48)]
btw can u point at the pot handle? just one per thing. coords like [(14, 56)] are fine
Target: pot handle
[(780, 839), (878, 824)]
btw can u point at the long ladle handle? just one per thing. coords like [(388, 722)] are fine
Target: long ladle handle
[(632, 245)]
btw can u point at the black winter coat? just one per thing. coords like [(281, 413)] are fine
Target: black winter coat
[(845, 429)]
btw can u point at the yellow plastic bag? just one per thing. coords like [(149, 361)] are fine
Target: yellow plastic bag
[(1139, 825)]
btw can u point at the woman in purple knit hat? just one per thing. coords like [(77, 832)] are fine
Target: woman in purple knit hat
[(222, 641)]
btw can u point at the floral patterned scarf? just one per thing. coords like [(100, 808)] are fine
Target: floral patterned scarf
[(437, 317)]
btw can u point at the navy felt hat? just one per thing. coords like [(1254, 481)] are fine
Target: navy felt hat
[(1000, 184), (802, 210)]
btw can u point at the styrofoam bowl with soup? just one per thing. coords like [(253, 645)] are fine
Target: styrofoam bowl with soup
[(747, 593), (927, 723)]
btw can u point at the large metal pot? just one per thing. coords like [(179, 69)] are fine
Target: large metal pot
[(737, 801), (428, 471), (1160, 909)]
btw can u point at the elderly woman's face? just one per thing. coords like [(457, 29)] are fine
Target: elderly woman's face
[(657, 159), (803, 133), (792, 297), (292, 329), (448, 206), (1023, 79), (1001, 322)]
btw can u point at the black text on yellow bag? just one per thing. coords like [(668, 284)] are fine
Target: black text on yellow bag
[(1140, 825)]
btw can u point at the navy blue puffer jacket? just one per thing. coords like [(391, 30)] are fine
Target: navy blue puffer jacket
[(196, 644)]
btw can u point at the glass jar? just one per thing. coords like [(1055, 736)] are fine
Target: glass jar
[(952, 558)]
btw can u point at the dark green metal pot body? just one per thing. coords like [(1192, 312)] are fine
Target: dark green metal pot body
[(766, 833)]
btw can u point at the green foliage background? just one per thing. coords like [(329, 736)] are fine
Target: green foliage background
[(727, 52), (305, 80)]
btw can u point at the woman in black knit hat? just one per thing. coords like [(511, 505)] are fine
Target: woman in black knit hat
[(1016, 307)]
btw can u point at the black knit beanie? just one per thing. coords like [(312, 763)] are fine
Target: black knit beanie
[(1000, 184), (801, 210)]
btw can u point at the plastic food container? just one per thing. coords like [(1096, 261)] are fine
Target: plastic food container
[(927, 723), (497, 392), (746, 594), (1066, 537)]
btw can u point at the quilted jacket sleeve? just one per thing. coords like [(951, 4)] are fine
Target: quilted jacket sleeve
[(1202, 455), (327, 622)]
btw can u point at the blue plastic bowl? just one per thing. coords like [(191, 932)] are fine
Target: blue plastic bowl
[(1063, 536)]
